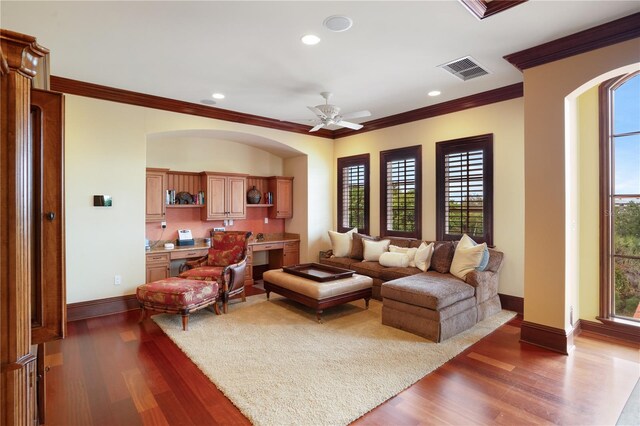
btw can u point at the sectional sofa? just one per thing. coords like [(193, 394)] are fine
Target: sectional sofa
[(433, 304)]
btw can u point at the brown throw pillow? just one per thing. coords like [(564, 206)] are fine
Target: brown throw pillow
[(357, 248), (442, 256)]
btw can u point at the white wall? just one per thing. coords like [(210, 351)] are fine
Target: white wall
[(106, 154), (506, 121)]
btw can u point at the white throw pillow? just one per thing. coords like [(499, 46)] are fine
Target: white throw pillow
[(467, 257), (423, 256), (394, 260), (341, 242), (373, 249), (411, 252)]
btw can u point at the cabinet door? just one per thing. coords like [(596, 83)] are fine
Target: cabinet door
[(237, 197), (156, 195), (216, 197), (291, 253), (157, 271), (283, 201), (48, 313)]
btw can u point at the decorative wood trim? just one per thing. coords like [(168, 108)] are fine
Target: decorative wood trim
[(480, 99), (628, 333), (91, 90), (101, 307), (613, 32), (554, 339), (512, 303), (483, 8)]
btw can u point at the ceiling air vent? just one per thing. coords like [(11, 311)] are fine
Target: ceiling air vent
[(464, 68)]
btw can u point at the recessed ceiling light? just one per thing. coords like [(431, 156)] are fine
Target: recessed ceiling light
[(434, 93), (217, 96), (338, 23), (310, 39), (208, 102)]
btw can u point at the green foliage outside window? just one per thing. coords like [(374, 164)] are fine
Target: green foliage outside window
[(403, 210), (627, 270), (355, 207), (459, 222)]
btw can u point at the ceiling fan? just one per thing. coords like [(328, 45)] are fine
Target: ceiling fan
[(330, 114)]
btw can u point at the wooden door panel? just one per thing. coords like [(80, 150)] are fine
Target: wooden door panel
[(155, 196), (49, 299), (216, 191), (237, 197)]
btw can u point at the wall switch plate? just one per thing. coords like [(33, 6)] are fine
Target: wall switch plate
[(219, 229), (117, 280), (266, 220)]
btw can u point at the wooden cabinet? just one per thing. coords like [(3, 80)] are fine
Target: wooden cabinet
[(291, 253), (225, 196), (158, 266), (31, 225), (156, 189), (282, 189)]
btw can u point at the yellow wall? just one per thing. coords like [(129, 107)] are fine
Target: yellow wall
[(589, 205), (106, 154), (191, 154), (506, 121), (548, 89)]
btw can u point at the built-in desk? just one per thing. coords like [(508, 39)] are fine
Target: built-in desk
[(163, 263), (283, 250)]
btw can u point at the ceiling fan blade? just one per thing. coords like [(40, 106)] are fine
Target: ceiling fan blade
[(357, 114), (317, 112), (353, 126), (316, 128)]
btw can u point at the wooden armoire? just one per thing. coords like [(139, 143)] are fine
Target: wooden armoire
[(32, 263)]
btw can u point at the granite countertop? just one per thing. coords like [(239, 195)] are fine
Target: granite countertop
[(199, 245), (275, 238), (159, 248)]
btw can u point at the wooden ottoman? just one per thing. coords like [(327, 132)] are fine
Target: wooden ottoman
[(318, 295), (177, 296)]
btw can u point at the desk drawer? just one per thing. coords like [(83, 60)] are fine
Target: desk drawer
[(158, 258), (186, 254), (268, 246), (292, 246)]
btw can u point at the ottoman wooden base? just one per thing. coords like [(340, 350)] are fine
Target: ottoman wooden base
[(292, 287), (177, 296)]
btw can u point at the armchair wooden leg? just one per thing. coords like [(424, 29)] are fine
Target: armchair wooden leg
[(185, 322), (244, 295), (225, 302), (216, 308)]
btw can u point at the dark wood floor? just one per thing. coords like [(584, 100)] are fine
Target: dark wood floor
[(115, 371)]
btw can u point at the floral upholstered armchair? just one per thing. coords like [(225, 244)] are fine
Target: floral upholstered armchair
[(225, 263)]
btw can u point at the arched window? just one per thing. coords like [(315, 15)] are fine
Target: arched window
[(620, 200)]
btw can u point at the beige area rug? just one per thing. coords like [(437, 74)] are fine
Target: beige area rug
[(294, 371)]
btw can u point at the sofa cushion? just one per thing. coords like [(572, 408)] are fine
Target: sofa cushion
[(357, 248), (373, 249), (394, 260), (370, 269), (423, 256), (442, 256), (468, 256), (389, 274), (429, 289), (341, 242), (339, 262)]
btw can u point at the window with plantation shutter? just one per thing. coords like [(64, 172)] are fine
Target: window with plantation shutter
[(353, 193), (401, 192), (464, 189)]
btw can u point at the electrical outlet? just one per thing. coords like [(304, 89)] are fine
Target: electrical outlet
[(163, 224), (218, 229), (266, 220), (117, 280)]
